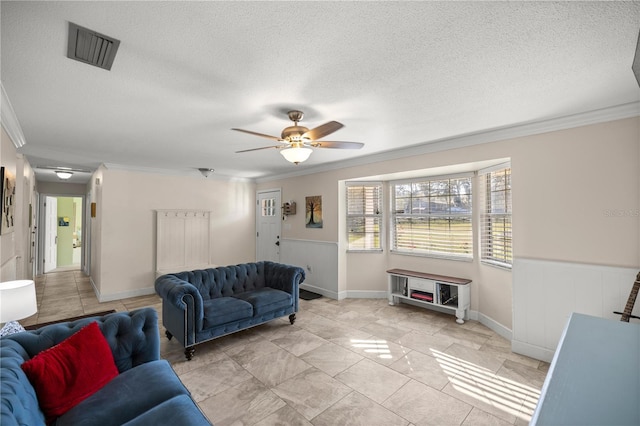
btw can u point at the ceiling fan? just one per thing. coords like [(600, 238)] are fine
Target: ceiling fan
[(296, 141)]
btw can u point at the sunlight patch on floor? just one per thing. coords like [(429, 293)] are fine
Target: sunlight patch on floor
[(379, 347), (504, 394)]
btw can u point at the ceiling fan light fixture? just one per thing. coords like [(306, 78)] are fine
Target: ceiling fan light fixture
[(63, 174), (297, 139), (296, 154)]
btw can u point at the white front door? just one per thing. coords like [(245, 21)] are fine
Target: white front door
[(51, 234), (268, 226)]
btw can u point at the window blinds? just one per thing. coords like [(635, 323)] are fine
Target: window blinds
[(495, 217), (433, 217), (364, 216)]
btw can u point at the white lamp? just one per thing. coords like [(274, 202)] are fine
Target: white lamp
[(296, 154), (17, 301)]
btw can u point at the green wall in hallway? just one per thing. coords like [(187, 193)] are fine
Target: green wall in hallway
[(67, 208)]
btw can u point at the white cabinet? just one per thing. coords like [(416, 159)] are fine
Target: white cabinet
[(594, 378), (429, 290)]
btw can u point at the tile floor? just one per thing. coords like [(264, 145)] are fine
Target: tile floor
[(350, 362)]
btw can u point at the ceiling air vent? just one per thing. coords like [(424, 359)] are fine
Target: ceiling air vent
[(91, 47)]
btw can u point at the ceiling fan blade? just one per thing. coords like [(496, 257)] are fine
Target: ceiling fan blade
[(336, 144), (275, 138), (323, 130), (257, 149)]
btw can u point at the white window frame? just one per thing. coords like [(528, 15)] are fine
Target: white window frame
[(489, 215), (368, 217), (449, 215)]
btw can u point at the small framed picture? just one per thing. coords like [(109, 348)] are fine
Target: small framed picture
[(313, 216)]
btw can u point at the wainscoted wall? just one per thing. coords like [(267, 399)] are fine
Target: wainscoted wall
[(319, 259), (8, 270), (183, 239), (546, 292)]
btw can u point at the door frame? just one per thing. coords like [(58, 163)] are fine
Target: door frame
[(85, 257), (41, 220), (278, 215), (47, 249)]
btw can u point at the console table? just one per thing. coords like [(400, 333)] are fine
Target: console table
[(430, 291)]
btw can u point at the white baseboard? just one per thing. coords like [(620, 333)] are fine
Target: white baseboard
[(122, 295), (366, 294), (532, 351), (95, 289), (492, 324), (127, 294)]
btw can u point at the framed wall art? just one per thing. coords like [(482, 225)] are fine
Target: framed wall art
[(313, 216), (7, 200)]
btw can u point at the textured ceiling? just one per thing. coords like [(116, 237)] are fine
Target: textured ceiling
[(395, 73)]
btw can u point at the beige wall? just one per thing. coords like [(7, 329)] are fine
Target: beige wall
[(18, 242), (27, 196), (62, 188), (124, 229), (565, 186), (8, 160)]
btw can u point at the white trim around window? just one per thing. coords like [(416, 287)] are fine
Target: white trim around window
[(364, 216), (496, 241)]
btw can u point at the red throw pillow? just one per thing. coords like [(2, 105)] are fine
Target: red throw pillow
[(71, 371)]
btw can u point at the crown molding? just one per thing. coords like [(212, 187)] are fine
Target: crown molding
[(617, 112), (174, 172), (10, 121)]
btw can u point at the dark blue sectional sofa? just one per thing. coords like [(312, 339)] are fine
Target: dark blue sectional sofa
[(145, 392), (201, 305)]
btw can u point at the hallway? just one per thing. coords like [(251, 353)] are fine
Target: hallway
[(68, 293)]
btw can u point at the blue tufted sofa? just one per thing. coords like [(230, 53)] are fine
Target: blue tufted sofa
[(145, 392), (201, 305)]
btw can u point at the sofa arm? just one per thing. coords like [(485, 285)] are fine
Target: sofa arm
[(132, 336), (283, 277), (183, 297)]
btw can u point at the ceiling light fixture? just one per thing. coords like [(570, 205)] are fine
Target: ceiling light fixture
[(63, 174), (296, 154), (205, 171)]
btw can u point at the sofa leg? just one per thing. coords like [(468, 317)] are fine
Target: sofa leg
[(292, 318), (188, 352), (168, 334)]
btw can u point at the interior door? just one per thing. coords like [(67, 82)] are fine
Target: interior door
[(51, 234), (268, 226)]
